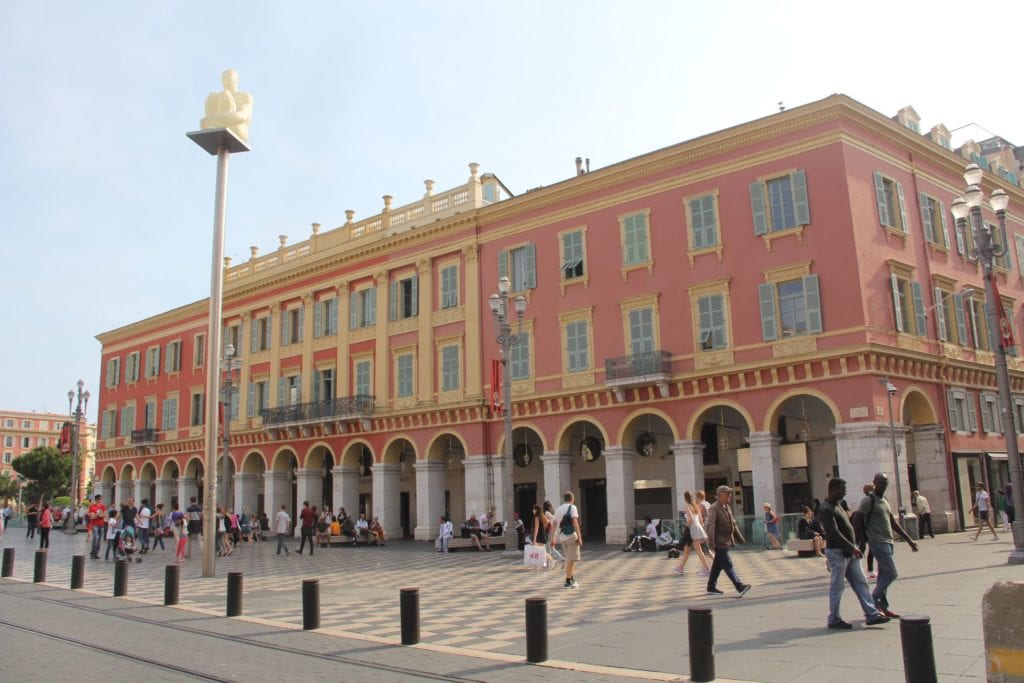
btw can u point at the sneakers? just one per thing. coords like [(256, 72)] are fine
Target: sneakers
[(715, 591), (840, 626), (872, 576), (679, 571), (704, 572), (744, 589), (891, 615), (571, 583), (876, 620)]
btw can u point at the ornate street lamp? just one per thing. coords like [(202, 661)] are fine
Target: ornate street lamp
[(229, 364), (77, 412)]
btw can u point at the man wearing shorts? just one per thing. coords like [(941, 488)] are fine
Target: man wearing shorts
[(983, 508), (567, 518)]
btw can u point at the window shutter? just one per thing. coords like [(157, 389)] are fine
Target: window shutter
[(986, 415), (757, 205), (696, 224), (298, 388), (945, 226), (919, 315), (883, 208), (250, 401), (169, 360), (353, 310), (502, 264), (332, 307), (156, 361), (812, 298), (163, 417), (896, 302), (961, 239), (318, 319), (798, 180), (904, 224), (286, 329), (1016, 416), (530, 265), (954, 414), (940, 315), (280, 393), (270, 328), (254, 336), (972, 415), (704, 315), (371, 306), (961, 321), (415, 294), (769, 328), (302, 323), (393, 301), (317, 389), (926, 217)]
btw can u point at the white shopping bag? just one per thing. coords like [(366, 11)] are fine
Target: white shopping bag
[(535, 556)]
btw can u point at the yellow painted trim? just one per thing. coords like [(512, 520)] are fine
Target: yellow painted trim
[(1005, 660), (772, 413), (697, 416), (706, 289), (636, 303), (580, 417), (788, 272), (585, 278), (643, 412), (649, 261)]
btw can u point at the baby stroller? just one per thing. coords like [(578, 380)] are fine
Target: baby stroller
[(126, 545)]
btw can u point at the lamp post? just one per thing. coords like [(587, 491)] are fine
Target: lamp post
[(229, 364), (985, 250), (890, 391), (77, 412), (505, 338)]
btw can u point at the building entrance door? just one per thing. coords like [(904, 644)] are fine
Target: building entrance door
[(593, 508)]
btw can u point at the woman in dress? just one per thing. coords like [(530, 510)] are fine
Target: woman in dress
[(771, 527), (696, 533), (539, 535), (549, 545)]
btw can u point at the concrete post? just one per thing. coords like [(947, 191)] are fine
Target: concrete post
[(621, 504), (430, 480), (1002, 625), (767, 470), (386, 501), (689, 470)]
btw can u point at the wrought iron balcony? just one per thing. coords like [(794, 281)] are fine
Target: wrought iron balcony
[(333, 411), (143, 437), (638, 369)]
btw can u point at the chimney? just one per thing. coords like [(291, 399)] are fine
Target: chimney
[(579, 166), (588, 164)]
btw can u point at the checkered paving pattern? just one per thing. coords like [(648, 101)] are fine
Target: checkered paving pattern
[(468, 599)]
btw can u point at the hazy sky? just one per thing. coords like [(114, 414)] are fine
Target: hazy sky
[(106, 208)]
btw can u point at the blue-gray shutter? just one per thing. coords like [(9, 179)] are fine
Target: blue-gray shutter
[(317, 379), (371, 305), (798, 181), (769, 328), (353, 310), (241, 335), (945, 226), (302, 323), (270, 329), (812, 297), (896, 302), (972, 414), (922, 320), (986, 417), (281, 401), (393, 301), (415, 294), (318, 319), (502, 263), (940, 314), (332, 307), (286, 329), (530, 264), (156, 364), (961, 320), (926, 217), (250, 402), (954, 414), (883, 207), (757, 205), (254, 337), (904, 223), (163, 418), (961, 238)]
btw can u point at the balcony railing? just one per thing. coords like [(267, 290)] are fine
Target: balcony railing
[(333, 410), (143, 436), (652, 367)]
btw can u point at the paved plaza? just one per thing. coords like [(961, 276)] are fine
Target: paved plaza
[(630, 612)]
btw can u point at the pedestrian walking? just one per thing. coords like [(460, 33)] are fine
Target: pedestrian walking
[(693, 536), (142, 520), (567, 518), (771, 527), (1001, 510), (552, 532), (158, 526), (32, 520), (983, 511), (878, 527), (282, 523), (45, 524), (924, 514), (308, 519), (179, 529), (722, 535), (1009, 507), (194, 526), (843, 557), (111, 534), (97, 515)]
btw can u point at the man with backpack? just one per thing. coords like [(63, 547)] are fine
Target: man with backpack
[(878, 524), (567, 517)]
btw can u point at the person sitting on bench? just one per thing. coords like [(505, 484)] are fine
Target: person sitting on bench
[(476, 533), (362, 528)]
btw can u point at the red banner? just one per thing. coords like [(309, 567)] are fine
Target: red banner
[(64, 441), (220, 420), (496, 385), (1005, 324)]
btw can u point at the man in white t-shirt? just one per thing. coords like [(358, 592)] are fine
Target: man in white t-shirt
[(567, 525), (143, 523), (983, 507), (282, 523)]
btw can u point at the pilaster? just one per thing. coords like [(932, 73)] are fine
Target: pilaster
[(424, 337), (689, 470), (247, 493), (105, 489), (187, 488), (124, 491), (767, 471), (277, 492), (307, 348), (864, 449), (309, 486), (342, 367), (166, 489), (345, 481), (621, 505), (430, 480), (480, 482), (275, 354), (381, 361), (386, 502), (557, 476)]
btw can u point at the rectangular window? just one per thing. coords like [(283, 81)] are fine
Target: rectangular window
[(8, 423), (404, 298), (363, 308), (152, 361), (9, 441), (197, 414), (945, 317), (450, 286), (364, 378), (577, 346), (404, 379), (127, 420), (26, 424), (1019, 242), (780, 203), (519, 265), (635, 240), (233, 336), (325, 318), (258, 398), (711, 310), (572, 255), (150, 414), (291, 325), (289, 390), (169, 414), (933, 218), (979, 325), (131, 367), (108, 427), (908, 306), (43, 441), (891, 203), (260, 334), (703, 222), (113, 372), (991, 420), (790, 308), (24, 442), (199, 351), (7, 457), (962, 413), (323, 385), (449, 368), (173, 361), (641, 330), (519, 358)]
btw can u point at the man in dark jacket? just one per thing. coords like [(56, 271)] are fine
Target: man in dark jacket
[(843, 558), (722, 534)]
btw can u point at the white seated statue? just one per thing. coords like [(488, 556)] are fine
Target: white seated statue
[(231, 108)]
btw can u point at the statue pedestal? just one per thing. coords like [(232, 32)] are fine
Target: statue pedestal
[(212, 139)]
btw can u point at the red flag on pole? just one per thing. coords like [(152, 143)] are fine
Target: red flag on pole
[(496, 385), (1005, 324), (65, 438), (220, 420)]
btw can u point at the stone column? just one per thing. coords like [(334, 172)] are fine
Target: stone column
[(386, 502), (246, 494), (689, 470), (621, 504), (932, 477), (310, 487), (105, 489), (276, 492), (479, 481), (140, 489), (346, 489), (165, 490), (186, 489), (430, 478), (124, 491), (557, 476), (865, 448), (767, 471)]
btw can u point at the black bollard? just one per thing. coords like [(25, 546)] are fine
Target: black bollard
[(39, 574), (77, 571), (536, 630), (702, 644), (7, 570), (918, 653), (310, 604), (120, 578), (234, 594), (409, 603), (172, 572)]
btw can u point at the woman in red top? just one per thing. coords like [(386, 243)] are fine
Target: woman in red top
[(45, 524)]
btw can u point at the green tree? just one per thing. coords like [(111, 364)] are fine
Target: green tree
[(8, 487), (47, 470)]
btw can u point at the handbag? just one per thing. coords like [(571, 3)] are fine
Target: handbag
[(535, 556)]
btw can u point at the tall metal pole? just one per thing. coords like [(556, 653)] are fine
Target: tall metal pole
[(506, 397), (76, 448), (890, 389), (228, 392)]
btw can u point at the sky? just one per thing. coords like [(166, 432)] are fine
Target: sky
[(106, 208)]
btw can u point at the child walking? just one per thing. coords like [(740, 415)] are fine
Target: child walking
[(111, 534), (180, 532)]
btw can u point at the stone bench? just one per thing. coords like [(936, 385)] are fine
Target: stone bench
[(457, 542), (802, 547), (347, 540)]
